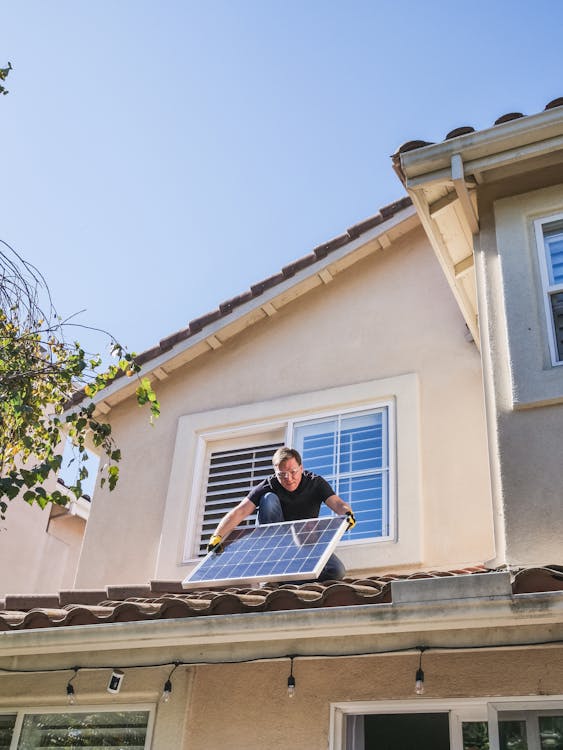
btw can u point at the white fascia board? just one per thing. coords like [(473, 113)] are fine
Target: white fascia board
[(263, 299), (515, 137), (497, 621)]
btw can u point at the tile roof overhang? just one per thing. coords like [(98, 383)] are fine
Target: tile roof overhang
[(470, 608), (442, 180), (265, 298)]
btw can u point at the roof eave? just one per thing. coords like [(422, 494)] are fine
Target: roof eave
[(494, 621), (505, 143)]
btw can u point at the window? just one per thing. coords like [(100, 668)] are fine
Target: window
[(76, 728), (549, 234), (7, 723), (350, 450), (459, 724), (374, 429)]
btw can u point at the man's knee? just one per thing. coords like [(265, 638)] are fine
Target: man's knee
[(334, 570), (269, 510)]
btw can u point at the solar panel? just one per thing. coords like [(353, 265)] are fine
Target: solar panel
[(288, 551)]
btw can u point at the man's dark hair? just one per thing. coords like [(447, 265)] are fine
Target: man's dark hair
[(284, 454)]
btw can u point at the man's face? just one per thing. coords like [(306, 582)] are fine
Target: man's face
[(288, 474)]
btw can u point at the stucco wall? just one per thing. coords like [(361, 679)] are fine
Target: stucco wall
[(526, 391), (38, 555), (389, 315)]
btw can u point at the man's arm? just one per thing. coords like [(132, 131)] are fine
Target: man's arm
[(232, 519), (338, 505)]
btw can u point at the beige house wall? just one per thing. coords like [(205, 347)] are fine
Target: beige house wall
[(390, 316), (39, 554)]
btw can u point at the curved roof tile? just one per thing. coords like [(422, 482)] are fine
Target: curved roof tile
[(167, 600), (464, 130)]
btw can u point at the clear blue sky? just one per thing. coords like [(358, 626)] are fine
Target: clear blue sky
[(160, 157)]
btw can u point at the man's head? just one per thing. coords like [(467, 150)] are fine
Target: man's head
[(288, 467)]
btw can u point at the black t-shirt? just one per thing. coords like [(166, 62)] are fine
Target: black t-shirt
[(304, 502)]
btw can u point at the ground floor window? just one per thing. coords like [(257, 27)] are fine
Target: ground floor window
[(472, 724), (7, 722), (28, 730)]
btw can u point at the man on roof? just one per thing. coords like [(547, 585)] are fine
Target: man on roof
[(290, 494)]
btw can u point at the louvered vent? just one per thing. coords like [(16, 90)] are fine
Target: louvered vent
[(231, 476)]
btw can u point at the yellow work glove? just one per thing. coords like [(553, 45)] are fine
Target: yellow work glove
[(351, 520), (215, 544)]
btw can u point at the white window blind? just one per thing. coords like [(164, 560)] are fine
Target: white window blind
[(231, 475), (351, 452)]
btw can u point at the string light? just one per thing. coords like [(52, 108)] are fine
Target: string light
[(70, 693), (419, 678), (291, 681), (167, 690)]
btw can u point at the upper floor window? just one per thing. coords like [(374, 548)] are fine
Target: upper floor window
[(349, 449), (549, 234)]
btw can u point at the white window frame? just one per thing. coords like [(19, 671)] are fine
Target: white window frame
[(257, 434), (22, 712), (459, 709), (548, 288)]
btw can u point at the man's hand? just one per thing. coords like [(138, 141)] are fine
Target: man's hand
[(215, 544), (351, 520)]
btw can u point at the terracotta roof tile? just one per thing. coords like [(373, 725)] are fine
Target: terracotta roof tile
[(508, 117), (81, 596), (168, 600), (464, 130)]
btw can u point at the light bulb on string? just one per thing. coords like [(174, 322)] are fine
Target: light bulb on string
[(167, 689), (70, 692), (419, 677), (165, 697), (291, 682)]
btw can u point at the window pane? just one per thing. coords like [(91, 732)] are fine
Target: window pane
[(512, 735), (551, 732), (123, 729), (6, 730), (317, 442), (553, 238), (407, 732), (557, 311), (361, 447), (475, 735)]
